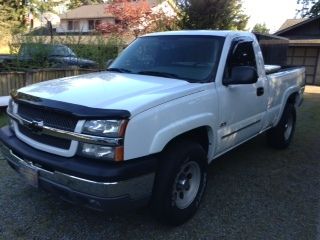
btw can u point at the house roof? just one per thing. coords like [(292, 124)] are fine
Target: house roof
[(289, 23), (95, 11), (294, 24), (87, 11)]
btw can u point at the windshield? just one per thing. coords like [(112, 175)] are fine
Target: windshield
[(191, 58)]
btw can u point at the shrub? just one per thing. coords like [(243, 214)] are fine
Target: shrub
[(95, 48), (37, 48)]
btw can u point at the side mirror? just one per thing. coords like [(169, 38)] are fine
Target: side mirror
[(108, 63), (243, 75)]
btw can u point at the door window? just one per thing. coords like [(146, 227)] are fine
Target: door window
[(241, 55)]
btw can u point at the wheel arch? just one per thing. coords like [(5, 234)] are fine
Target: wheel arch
[(293, 97), (202, 135)]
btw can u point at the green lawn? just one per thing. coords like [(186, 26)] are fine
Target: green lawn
[(3, 119)]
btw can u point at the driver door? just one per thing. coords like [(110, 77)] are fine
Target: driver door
[(242, 106)]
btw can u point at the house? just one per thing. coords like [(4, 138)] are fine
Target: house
[(304, 45), (84, 19)]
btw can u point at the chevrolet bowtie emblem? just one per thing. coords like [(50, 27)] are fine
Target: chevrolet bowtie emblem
[(35, 126)]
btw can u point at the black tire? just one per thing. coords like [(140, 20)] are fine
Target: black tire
[(174, 177), (281, 135)]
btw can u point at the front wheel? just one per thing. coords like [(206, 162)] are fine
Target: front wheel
[(281, 135), (180, 182)]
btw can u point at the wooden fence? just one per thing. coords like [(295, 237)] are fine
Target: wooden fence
[(16, 80)]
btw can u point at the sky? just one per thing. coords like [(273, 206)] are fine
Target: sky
[(271, 12)]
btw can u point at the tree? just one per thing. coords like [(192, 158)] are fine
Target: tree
[(78, 3), (315, 10), (261, 28), (18, 10), (14, 14), (309, 8), (212, 14), (40, 6), (9, 20), (136, 18)]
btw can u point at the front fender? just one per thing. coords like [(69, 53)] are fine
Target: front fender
[(166, 134), (149, 132)]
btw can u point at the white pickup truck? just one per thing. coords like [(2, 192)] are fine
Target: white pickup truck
[(145, 130)]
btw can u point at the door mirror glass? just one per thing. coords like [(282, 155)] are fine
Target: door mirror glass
[(243, 75)]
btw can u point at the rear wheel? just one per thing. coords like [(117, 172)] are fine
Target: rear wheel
[(281, 135), (180, 182)]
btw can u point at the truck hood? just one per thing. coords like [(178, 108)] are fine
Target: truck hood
[(106, 90)]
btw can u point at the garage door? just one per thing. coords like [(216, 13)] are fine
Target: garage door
[(308, 57)]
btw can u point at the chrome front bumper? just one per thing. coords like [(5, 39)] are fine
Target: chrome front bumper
[(133, 189)]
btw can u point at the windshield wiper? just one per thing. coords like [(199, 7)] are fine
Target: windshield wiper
[(119, 70), (159, 74)]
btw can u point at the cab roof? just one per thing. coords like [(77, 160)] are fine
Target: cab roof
[(221, 33)]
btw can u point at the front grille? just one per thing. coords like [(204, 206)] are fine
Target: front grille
[(45, 139), (50, 118)]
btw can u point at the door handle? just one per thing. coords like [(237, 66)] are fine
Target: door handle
[(260, 91)]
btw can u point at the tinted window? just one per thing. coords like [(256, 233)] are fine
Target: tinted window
[(241, 54), (31, 50), (62, 51)]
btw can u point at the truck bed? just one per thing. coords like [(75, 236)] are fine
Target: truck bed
[(272, 69), (281, 81)]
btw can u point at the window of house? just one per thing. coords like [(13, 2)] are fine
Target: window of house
[(73, 25), (97, 23), (93, 24), (76, 25), (70, 25)]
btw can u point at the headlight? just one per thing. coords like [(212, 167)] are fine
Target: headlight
[(100, 152), (105, 128)]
